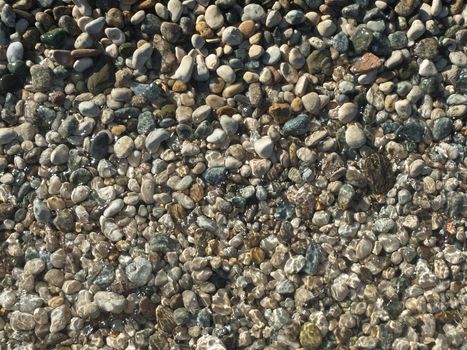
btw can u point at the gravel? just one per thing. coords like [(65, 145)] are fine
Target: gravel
[(230, 174)]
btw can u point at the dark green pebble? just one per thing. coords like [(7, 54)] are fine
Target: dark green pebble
[(54, 37)]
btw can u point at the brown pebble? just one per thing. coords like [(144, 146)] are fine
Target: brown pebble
[(367, 63), (138, 101), (257, 255), (296, 104), (226, 110), (179, 86), (114, 18), (216, 85), (280, 112), (215, 101), (247, 28), (85, 53), (233, 89), (204, 30), (145, 5), (196, 192), (117, 130), (63, 57)]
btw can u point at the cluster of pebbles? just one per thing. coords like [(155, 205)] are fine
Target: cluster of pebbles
[(233, 174)]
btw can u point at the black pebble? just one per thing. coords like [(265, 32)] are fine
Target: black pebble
[(99, 145)]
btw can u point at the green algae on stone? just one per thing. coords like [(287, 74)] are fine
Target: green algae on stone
[(319, 61), (101, 79), (18, 68), (310, 336), (54, 37), (362, 39), (168, 111)]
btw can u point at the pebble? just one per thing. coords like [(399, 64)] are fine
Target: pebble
[(155, 138), (442, 127), (123, 147), (311, 102), (226, 73), (41, 77), (355, 137), (185, 69), (14, 52), (110, 302), (214, 17), (264, 147), (139, 271), (347, 112), (7, 135), (254, 12), (89, 109), (214, 173), (297, 126)]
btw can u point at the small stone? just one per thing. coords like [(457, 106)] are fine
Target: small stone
[(367, 63), (217, 136), (165, 319), (141, 55), (312, 256), (264, 147), (326, 28), (209, 342), (22, 321), (280, 112), (41, 77), (297, 126), (89, 109), (175, 8), (294, 17), (123, 147), (442, 128), (139, 271), (155, 138), (254, 12), (310, 336), (416, 30), (215, 175), (355, 137), (340, 42), (405, 7), (319, 62), (362, 39), (226, 73), (14, 52), (185, 70), (7, 135), (427, 68), (54, 37), (99, 145), (95, 26), (427, 48), (311, 102), (347, 112), (214, 17), (232, 36), (101, 79), (59, 318), (271, 56), (110, 302), (294, 264), (384, 225), (34, 266)]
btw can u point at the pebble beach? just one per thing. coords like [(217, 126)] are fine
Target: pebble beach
[(233, 174)]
